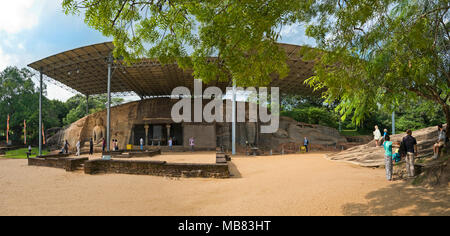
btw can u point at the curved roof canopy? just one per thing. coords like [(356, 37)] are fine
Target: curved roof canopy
[(85, 70)]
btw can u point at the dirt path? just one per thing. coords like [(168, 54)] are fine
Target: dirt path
[(277, 185)]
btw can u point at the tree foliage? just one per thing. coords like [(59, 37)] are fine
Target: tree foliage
[(76, 106), (381, 52), (19, 98)]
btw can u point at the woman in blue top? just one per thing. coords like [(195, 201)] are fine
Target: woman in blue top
[(388, 157)]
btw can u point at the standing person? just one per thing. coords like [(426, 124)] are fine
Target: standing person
[(170, 144), (388, 157), (103, 145), (377, 136), (78, 145), (91, 147), (66, 146), (440, 141), (411, 152), (306, 143), (116, 144), (385, 133), (192, 143), (142, 143)]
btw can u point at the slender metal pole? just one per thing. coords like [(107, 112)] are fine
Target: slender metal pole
[(40, 113), (108, 118), (233, 125), (393, 122)]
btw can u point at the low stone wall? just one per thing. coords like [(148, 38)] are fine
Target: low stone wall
[(54, 155), (133, 154), (157, 168), (69, 164)]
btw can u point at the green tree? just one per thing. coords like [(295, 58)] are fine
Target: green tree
[(19, 98), (381, 52), (76, 106)]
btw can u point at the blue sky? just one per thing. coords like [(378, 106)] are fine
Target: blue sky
[(34, 29)]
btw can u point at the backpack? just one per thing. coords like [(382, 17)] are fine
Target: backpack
[(396, 157)]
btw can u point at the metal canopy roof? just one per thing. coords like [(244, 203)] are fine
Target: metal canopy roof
[(85, 70)]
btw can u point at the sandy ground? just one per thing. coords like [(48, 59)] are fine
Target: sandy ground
[(303, 184)]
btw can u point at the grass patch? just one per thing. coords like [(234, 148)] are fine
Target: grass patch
[(22, 153)]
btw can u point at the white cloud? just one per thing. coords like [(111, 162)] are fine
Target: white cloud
[(21, 16), (18, 15)]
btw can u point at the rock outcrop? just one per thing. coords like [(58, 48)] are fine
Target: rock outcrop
[(290, 135), (370, 156)]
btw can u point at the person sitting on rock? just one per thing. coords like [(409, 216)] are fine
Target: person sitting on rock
[(440, 141)]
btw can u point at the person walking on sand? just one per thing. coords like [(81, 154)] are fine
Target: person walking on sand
[(170, 144), (192, 143), (377, 136), (78, 145), (388, 157), (306, 143), (411, 152), (91, 147), (440, 141)]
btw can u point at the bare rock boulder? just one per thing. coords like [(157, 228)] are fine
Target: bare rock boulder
[(370, 156)]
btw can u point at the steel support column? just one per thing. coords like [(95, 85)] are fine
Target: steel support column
[(40, 112), (233, 119), (108, 108)]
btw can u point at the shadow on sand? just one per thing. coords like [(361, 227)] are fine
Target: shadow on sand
[(402, 199)]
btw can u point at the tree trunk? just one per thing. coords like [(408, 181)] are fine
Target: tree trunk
[(446, 109)]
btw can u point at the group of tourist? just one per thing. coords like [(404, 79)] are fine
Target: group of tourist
[(170, 142), (66, 146), (407, 149)]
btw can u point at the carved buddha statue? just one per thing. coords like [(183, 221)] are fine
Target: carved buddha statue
[(99, 132)]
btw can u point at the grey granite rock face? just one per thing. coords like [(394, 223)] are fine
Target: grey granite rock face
[(370, 156)]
